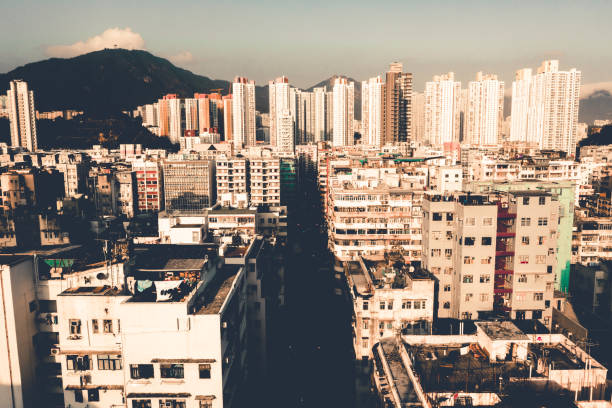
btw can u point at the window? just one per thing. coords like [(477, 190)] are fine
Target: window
[(365, 324), (484, 297), (448, 270), (436, 216), (418, 303), (542, 221), (446, 305), (108, 326), (77, 363), (33, 306), (486, 241), (536, 314), (93, 395), (524, 259), (436, 235), (171, 371), (468, 296), (365, 305), (389, 325), (525, 222), (75, 326), (171, 403), (485, 278), (487, 221), (205, 404), (525, 240), (204, 371), (78, 395), (365, 343), (382, 305), (486, 261), (449, 235), (470, 221), (538, 296), (447, 288), (94, 326), (522, 278), (436, 252), (448, 253), (381, 325), (525, 200), (540, 240), (469, 241), (468, 260), (468, 278), (540, 259), (436, 270), (390, 305), (406, 304), (109, 362), (542, 200), (138, 371), (449, 216)]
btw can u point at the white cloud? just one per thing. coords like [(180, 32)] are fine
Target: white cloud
[(587, 90), (182, 58), (119, 37)]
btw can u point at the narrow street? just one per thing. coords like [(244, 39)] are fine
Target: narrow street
[(314, 361)]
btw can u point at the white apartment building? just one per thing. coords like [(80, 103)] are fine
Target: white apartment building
[(459, 233), (321, 107), (442, 97), (370, 215), (485, 110), (592, 240), (445, 179), (265, 179), (388, 298), (22, 115), (492, 253), (371, 111), (233, 181), (279, 101), (243, 112), (285, 131), (191, 114), (418, 116), (547, 107), (343, 112), (176, 107)]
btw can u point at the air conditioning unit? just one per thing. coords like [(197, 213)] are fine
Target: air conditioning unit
[(224, 325), (54, 351), (85, 379)]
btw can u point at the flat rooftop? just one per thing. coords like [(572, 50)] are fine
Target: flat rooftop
[(218, 289), (92, 291), (503, 330), (401, 379), (168, 257), (443, 368)]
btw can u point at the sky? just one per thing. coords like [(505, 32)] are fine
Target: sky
[(309, 41)]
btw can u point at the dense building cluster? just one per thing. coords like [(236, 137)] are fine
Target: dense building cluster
[(467, 246)]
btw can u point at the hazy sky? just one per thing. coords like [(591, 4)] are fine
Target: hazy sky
[(311, 40)]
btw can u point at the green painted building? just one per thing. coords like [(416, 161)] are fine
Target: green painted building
[(564, 192)]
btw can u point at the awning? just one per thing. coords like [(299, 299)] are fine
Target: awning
[(183, 360), (94, 387), (205, 397), (158, 395), (87, 352)]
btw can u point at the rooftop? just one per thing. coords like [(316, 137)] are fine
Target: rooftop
[(93, 291), (168, 257), (217, 290), (400, 377), (502, 331)]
